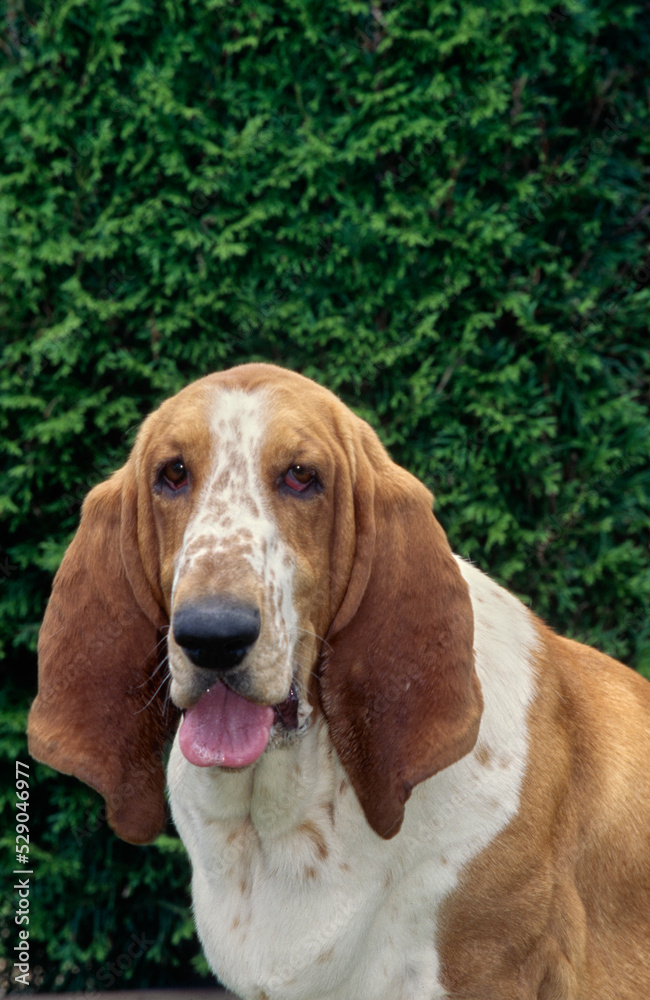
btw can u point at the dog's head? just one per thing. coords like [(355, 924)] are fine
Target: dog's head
[(257, 560)]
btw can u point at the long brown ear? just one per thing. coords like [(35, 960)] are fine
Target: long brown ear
[(97, 714), (398, 685)]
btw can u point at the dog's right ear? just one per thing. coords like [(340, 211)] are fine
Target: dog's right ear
[(100, 713)]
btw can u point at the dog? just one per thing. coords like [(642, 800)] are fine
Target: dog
[(393, 780)]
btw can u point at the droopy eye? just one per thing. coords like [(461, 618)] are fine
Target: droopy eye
[(300, 478), (174, 474)]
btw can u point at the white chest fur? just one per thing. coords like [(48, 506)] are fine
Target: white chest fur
[(296, 898)]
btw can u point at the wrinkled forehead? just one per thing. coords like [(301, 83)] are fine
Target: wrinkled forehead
[(237, 443), (234, 421)]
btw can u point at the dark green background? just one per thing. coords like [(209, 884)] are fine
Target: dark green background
[(439, 210)]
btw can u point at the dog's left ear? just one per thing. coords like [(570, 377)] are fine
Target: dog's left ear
[(398, 684), (100, 712)]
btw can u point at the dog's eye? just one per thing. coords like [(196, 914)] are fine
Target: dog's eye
[(300, 478), (174, 474)]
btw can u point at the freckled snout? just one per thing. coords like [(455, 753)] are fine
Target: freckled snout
[(216, 633)]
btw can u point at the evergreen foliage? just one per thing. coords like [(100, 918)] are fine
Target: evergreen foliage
[(438, 209)]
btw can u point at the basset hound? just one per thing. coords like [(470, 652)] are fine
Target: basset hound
[(393, 780)]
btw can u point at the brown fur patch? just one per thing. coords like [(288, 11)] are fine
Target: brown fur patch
[(315, 835), (558, 906)]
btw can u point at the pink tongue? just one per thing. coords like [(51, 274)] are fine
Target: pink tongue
[(225, 729)]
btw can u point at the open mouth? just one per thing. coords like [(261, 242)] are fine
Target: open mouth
[(224, 729), (287, 713)]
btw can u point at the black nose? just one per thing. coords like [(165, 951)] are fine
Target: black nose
[(216, 634)]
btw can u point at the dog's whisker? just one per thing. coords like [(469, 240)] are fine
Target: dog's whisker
[(308, 631), (158, 689), (162, 663), (162, 639)]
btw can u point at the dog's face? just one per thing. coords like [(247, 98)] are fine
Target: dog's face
[(262, 539), (251, 495)]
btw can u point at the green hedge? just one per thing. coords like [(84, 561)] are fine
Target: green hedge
[(437, 209)]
